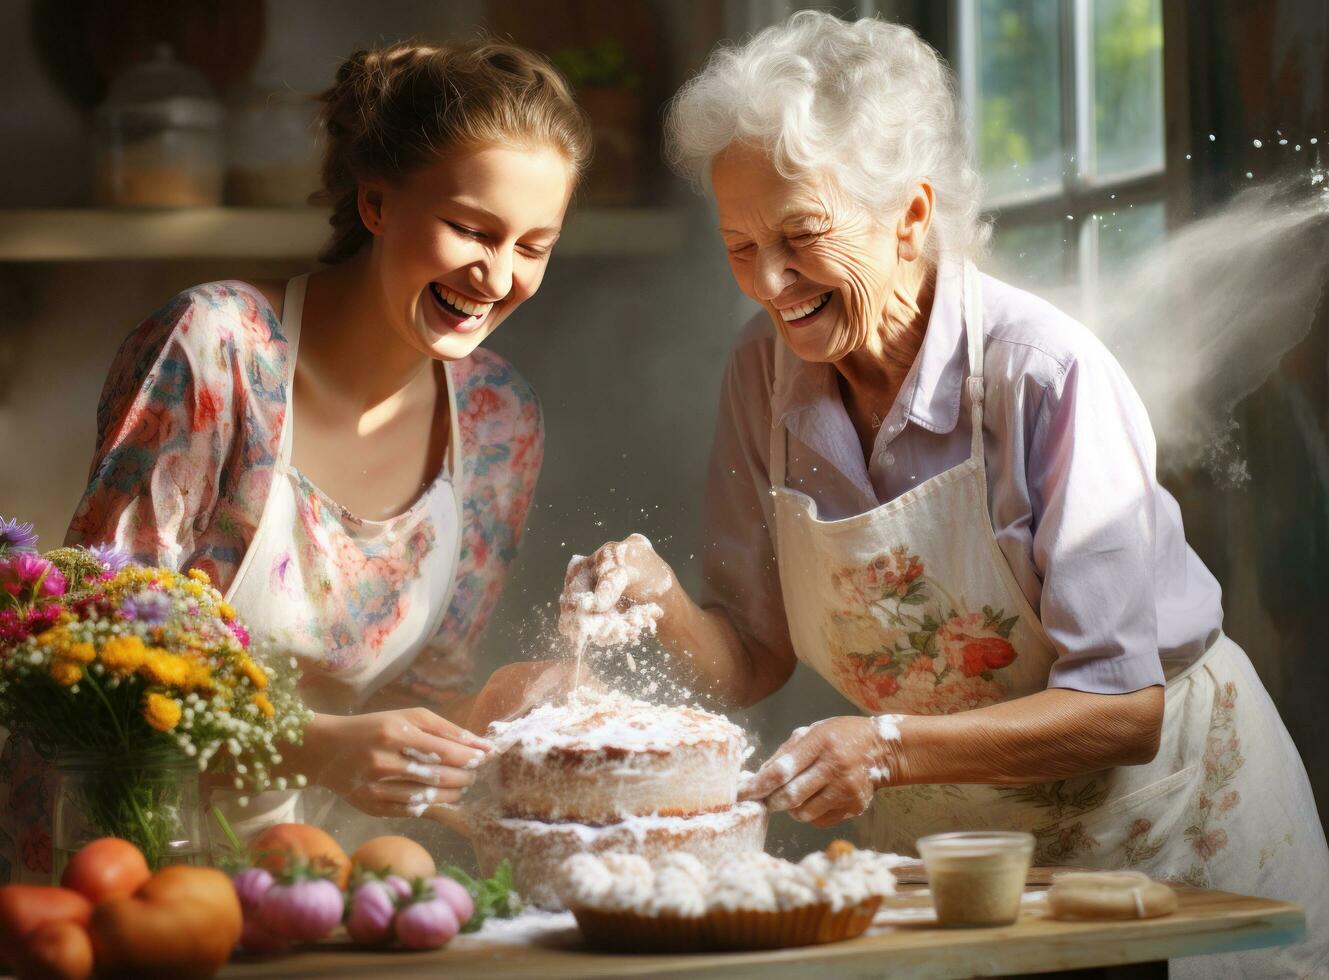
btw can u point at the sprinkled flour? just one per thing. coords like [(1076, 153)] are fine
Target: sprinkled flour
[(428, 758), (888, 726), (589, 607)]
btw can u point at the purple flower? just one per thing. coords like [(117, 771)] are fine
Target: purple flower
[(16, 537), (149, 608), (112, 559)]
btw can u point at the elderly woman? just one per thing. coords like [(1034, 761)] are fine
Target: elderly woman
[(939, 493)]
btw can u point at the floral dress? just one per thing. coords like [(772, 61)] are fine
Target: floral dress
[(189, 442)]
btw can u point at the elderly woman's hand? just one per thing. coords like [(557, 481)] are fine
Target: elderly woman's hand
[(615, 594), (828, 771)]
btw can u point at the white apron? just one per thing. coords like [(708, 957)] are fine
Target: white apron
[(287, 620), (912, 608)]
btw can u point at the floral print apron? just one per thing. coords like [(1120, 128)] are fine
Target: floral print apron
[(329, 587), (911, 608)]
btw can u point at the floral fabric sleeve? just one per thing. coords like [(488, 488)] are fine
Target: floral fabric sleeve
[(502, 434), (187, 433)]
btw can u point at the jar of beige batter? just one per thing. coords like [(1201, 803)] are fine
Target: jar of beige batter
[(977, 879)]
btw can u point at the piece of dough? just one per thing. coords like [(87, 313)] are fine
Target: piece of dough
[(1109, 895)]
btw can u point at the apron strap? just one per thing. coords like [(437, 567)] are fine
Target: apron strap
[(291, 312), (779, 434), (973, 330)]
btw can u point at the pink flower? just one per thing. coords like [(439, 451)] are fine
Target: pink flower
[(922, 664), (13, 630), (240, 632), (1140, 827), (1207, 845), (33, 574), (1229, 801)]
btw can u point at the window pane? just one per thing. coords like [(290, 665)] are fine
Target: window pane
[(1125, 234), (1019, 98), (1030, 255), (1128, 85)]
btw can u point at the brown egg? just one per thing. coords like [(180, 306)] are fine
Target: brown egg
[(394, 855)]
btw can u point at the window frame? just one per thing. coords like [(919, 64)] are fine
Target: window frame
[(1081, 193)]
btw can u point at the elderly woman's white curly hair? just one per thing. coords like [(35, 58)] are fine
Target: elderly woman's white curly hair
[(866, 102)]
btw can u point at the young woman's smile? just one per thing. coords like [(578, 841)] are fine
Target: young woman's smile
[(463, 242)]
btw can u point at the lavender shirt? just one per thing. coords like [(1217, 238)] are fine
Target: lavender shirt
[(1094, 541)]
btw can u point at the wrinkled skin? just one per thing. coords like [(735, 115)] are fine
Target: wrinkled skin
[(824, 773), (829, 771)]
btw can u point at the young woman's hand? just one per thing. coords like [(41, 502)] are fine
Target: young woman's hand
[(826, 772), (391, 763), (615, 594)]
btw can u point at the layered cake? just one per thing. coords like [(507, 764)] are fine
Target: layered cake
[(603, 773)]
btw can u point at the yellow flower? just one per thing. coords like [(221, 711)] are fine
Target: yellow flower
[(193, 590), (66, 674), (198, 575), (165, 669), (257, 676), (264, 705), (226, 611), (123, 654), (83, 653), (161, 712), (55, 638), (200, 678)]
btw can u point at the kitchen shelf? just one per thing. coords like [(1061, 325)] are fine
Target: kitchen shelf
[(90, 235)]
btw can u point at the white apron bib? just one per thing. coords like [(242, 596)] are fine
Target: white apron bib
[(911, 608), (287, 620)]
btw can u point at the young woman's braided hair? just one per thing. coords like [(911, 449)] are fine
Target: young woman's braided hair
[(394, 109)]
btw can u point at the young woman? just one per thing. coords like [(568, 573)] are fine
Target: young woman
[(336, 451)]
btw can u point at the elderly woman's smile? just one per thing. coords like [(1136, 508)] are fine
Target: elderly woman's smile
[(826, 269)]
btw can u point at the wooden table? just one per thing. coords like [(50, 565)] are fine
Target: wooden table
[(904, 942)]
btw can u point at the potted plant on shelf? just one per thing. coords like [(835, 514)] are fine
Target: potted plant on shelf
[(608, 87)]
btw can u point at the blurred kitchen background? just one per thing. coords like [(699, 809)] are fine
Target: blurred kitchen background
[(1092, 118)]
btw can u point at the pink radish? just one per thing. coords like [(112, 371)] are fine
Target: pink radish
[(427, 924)]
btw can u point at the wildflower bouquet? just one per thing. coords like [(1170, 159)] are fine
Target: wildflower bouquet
[(127, 674)]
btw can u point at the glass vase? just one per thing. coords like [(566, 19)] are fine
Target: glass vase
[(149, 798)]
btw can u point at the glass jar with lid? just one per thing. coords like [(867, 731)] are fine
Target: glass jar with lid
[(272, 146), (159, 138)]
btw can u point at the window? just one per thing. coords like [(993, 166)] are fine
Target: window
[(1065, 101)]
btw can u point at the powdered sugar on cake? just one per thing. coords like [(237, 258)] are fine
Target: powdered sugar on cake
[(593, 721)]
